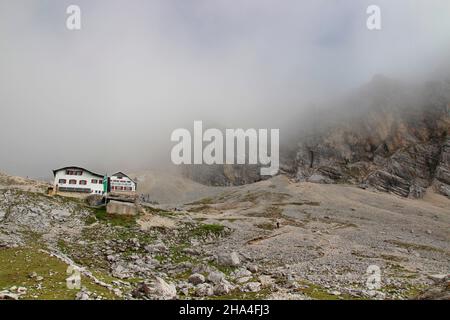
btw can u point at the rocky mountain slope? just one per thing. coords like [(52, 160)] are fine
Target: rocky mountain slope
[(387, 135), (398, 144), (275, 239)]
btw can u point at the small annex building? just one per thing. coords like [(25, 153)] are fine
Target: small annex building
[(120, 182)]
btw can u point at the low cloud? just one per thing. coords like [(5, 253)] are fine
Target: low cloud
[(109, 96)]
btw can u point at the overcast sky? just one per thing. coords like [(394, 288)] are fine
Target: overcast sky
[(108, 96)]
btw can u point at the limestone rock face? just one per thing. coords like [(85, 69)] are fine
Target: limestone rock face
[(442, 174), (391, 136), (398, 142), (409, 172)]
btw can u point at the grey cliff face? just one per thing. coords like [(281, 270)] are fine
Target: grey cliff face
[(389, 136), (394, 148)]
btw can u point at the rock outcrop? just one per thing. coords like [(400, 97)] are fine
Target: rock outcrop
[(399, 143), (441, 182), (388, 135)]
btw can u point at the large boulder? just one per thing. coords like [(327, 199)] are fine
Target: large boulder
[(122, 208), (163, 290), (396, 140), (6, 295), (223, 288), (204, 290), (252, 287), (120, 271), (228, 259), (216, 277), (196, 278)]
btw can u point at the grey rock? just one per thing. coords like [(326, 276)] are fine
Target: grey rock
[(318, 178), (252, 287), (253, 268), (184, 291), (196, 278), (266, 280), (228, 259), (438, 291), (141, 290), (204, 290), (111, 258), (157, 248), (6, 295), (222, 288), (191, 251), (201, 268), (164, 290), (21, 290), (243, 279), (374, 294), (82, 295), (241, 273), (120, 272), (216, 277), (438, 277)]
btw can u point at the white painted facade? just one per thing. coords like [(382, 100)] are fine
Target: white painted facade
[(120, 182), (80, 180)]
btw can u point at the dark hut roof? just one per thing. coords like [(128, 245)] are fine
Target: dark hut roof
[(122, 174), (77, 168)]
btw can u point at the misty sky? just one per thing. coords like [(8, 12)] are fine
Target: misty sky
[(107, 97)]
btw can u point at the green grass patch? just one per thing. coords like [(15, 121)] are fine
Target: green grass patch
[(224, 269), (17, 264), (319, 293), (204, 230), (126, 221)]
